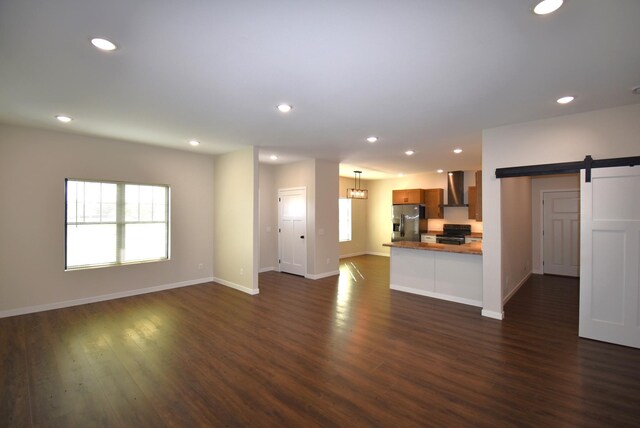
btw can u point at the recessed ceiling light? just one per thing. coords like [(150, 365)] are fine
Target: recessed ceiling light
[(457, 151), (440, 171), (372, 139), (64, 119), (194, 143), (284, 108), (409, 152), (103, 44), (273, 157), (565, 100), (545, 7)]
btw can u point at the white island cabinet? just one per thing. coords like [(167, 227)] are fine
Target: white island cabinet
[(448, 272)]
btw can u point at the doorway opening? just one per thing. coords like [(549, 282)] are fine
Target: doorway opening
[(561, 233), (555, 204), (609, 224)]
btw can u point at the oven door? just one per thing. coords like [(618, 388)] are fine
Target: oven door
[(449, 240)]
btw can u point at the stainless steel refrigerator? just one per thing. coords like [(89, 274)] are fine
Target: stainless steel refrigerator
[(407, 222)]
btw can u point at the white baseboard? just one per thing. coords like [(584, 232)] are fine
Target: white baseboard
[(237, 286), (101, 298), (266, 269), (322, 275), (537, 272), (515, 289), (493, 314), (373, 253), (345, 256), (437, 295)]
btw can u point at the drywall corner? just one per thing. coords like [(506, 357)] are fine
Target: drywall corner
[(236, 219)]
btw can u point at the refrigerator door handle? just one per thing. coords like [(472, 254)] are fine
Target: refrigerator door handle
[(402, 225)]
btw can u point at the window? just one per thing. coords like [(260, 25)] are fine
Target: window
[(109, 223), (344, 220)]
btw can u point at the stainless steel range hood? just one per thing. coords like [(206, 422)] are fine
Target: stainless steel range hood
[(455, 189)]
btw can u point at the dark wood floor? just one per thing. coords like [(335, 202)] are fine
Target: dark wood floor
[(333, 352)]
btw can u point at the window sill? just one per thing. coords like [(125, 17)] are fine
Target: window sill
[(138, 262)]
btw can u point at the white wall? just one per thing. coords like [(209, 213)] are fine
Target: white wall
[(380, 202), (33, 166), (516, 234), (538, 186), (320, 178), (359, 208), (327, 252), (236, 240), (268, 218), (602, 134)]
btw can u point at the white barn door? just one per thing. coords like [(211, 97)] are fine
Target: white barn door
[(610, 258)]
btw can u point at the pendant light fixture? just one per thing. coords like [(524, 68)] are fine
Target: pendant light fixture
[(356, 192)]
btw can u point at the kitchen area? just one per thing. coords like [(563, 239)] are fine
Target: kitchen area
[(429, 255)]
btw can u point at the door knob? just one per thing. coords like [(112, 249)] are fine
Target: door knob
[(301, 236)]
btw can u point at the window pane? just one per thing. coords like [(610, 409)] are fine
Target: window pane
[(72, 195), (159, 212), (92, 198), (109, 212), (159, 203), (109, 201), (135, 231), (145, 241), (131, 205), (159, 195), (75, 201), (91, 244), (146, 212), (89, 202), (344, 220), (146, 203), (92, 212)]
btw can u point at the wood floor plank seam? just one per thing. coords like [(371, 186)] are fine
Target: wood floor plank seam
[(339, 351)]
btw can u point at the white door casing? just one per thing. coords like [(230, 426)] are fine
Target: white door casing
[(610, 260), (561, 233), (292, 228)]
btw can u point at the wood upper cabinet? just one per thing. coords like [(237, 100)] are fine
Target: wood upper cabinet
[(475, 198), (408, 196), (473, 201), (479, 195), (433, 199)]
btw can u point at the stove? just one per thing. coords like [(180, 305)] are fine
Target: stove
[(453, 234)]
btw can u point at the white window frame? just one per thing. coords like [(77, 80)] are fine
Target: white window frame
[(120, 223), (350, 219)]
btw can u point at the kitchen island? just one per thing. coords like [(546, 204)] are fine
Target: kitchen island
[(443, 271)]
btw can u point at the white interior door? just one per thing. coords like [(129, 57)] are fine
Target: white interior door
[(561, 233), (292, 227), (610, 262)]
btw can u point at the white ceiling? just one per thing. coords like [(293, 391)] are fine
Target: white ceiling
[(423, 74)]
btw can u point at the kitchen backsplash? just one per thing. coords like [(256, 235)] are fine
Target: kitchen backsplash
[(457, 216)]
